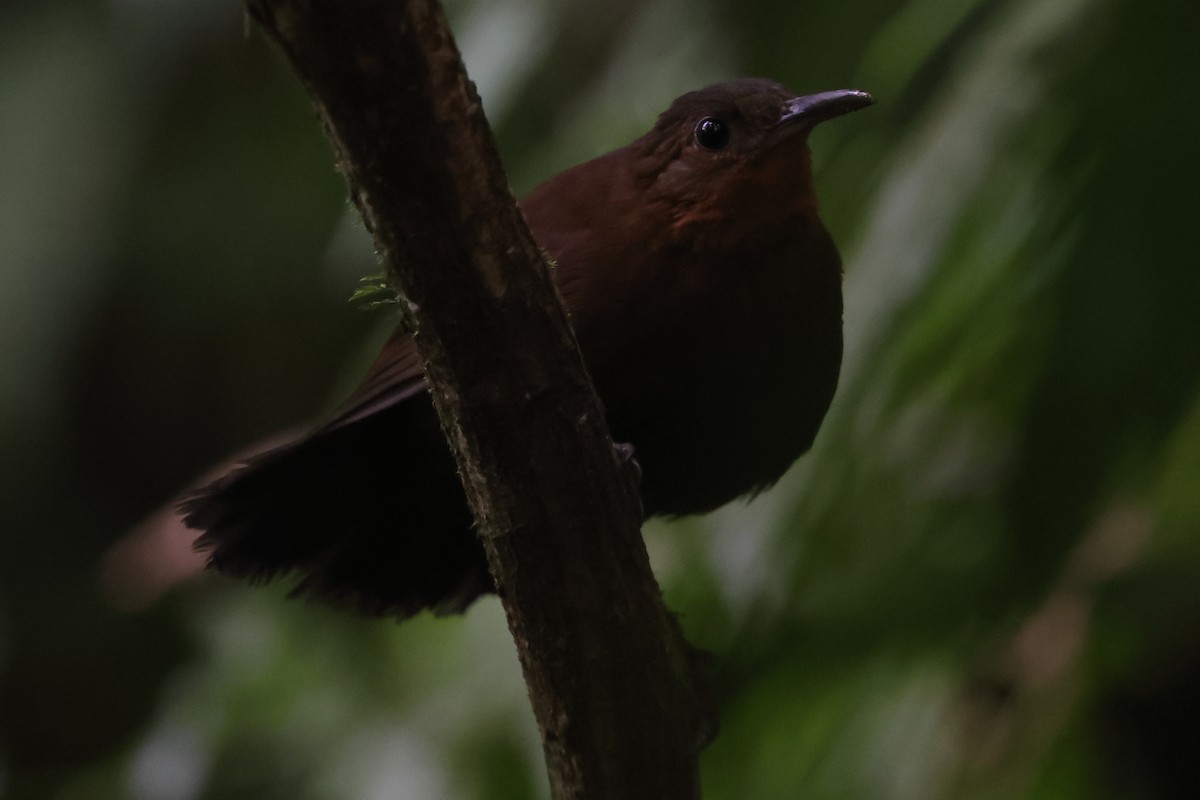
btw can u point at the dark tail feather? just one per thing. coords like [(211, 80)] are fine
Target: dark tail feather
[(369, 515)]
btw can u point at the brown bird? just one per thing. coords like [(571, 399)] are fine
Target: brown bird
[(706, 297)]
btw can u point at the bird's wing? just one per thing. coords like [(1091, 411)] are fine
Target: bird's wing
[(396, 375), (561, 222), (366, 509)]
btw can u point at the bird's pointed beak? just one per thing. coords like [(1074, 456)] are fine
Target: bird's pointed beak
[(814, 108)]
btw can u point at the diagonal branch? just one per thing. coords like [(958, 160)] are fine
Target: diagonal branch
[(559, 519)]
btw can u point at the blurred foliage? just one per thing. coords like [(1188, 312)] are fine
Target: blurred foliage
[(983, 582)]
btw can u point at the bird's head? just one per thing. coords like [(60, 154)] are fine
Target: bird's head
[(737, 147)]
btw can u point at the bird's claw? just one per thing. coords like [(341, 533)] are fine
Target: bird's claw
[(627, 459)]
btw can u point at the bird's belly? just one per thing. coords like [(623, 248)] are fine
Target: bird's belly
[(728, 422)]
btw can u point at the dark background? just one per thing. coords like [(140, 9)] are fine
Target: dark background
[(982, 583)]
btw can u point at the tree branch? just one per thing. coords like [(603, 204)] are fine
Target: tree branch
[(558, 517)]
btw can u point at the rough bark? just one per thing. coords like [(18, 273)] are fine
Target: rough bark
[(557, 513)]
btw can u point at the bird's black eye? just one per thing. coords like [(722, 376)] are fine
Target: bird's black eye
[(712, 134)]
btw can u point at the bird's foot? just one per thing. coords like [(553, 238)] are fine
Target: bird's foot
[(628, 463), (627, 459)]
